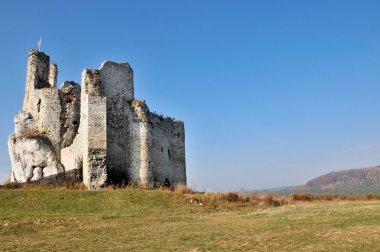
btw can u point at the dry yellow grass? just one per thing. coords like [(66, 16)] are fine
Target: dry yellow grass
[(160, 220)]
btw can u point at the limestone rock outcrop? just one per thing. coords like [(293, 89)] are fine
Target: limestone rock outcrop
[(97, 128), (32, 155)]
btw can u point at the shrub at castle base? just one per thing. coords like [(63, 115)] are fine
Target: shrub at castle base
[(96, 127)]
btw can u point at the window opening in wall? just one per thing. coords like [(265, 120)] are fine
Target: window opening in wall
[(167, 182), (162, 149), (178, 135), (168, 152), (39, 105)]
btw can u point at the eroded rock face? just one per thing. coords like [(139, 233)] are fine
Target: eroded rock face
[(31, 153), (24, 124)]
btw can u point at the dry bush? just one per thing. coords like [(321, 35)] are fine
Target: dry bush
[(40, 185), (371, 196), (254, 197), (330, 197), (283, 201), (326, 197), (10, 185), (344, 197), (270, 200), (46, 186), (212, 196), (111, 187), (160, 188), (182, 189), (302, 197), (241, 199), (230, 196), (137, 102), (333, 197), (243, 196), (74, 186)]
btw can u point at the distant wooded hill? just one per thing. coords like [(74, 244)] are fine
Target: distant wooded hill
[(353, 182)]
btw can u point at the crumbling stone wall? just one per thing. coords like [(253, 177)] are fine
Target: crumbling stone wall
[(166, 150), (94, 106), (42, 98), (139, 138), (70, 112), (117, 85), (98, 128)]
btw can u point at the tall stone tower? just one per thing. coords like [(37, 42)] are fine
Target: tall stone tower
[(97, 128)]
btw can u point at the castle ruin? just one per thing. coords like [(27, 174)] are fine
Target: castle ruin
[(97, 128)]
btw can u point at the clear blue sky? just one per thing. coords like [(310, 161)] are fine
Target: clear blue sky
[(272, 93)]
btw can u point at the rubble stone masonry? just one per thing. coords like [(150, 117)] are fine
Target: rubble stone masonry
[(97, 128)]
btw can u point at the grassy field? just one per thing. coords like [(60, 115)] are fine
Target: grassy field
[(154, 220)]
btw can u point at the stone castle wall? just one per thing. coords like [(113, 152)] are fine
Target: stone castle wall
[(98, 128), (117, 84)]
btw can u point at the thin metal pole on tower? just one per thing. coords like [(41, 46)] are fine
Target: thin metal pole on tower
[(39, 44)]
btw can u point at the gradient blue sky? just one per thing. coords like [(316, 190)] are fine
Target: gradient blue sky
[(272, 93)]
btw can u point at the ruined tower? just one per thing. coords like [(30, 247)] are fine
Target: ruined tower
[(97, 128)]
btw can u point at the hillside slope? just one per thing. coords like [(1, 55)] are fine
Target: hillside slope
[(353, 181), (364, 176)]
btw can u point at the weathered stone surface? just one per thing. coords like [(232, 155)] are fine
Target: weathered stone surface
[(94, 130), (32, 157), (24, 124), (104, 132), (96, 172), (37, 174), (117, 85), (32, 154), (70, 112), (53, 73)]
